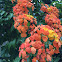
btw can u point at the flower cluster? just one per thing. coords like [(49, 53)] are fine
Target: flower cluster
[(23, 23), (54, 22), (23, 20), (49, 10), (52, 19), (45, 39), (22, 7), (35, 44)]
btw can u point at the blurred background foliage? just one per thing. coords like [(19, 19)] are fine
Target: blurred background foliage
[(10, 39)]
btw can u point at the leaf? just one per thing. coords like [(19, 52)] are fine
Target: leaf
[(10, 15), (52, 60), (46, 44), (28, 60), (57, 59), (28, 24), (11, 44), (6, 19), (12, 28), (22, 39), (5, 14), (17, 59), (2, 12), (1, 17)]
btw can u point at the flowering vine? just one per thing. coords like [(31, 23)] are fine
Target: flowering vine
[(23, 19), (52, 19), (35, 44), (45, 39)]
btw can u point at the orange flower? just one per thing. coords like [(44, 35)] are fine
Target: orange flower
[(20, 53), (48, 57), (50, 47), (19, 28), (43, 8), (59, 43), (12, 1), (19, 1), (56, 51), (55, 44), (34, 59), (23, 29), (20, 21), (42, 59), (37, 37), (16, 24), (27, 45), (37, 44), (23, 34), (43, 50), (47, 50), (45, 32), (32, 43), (25, 22), (24, 54), (22, 46), (51, 52), (46, 5), (27, 40), (33, 50), (32, 38), (39, 51), (33, 8), (23, 60), (28, 49), (59, 34), (44, 38), (60, 28), (38, 31)]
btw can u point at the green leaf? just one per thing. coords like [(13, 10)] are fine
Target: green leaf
[(1, 17), (5, 14), (17, 59), (28, 60), (57, 59), (2, 12), (22, 39), (12, 28), (49, 42), (28, 24), (10, 15), (46, 44), (11, 44), (5, 19), (52, 60)]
